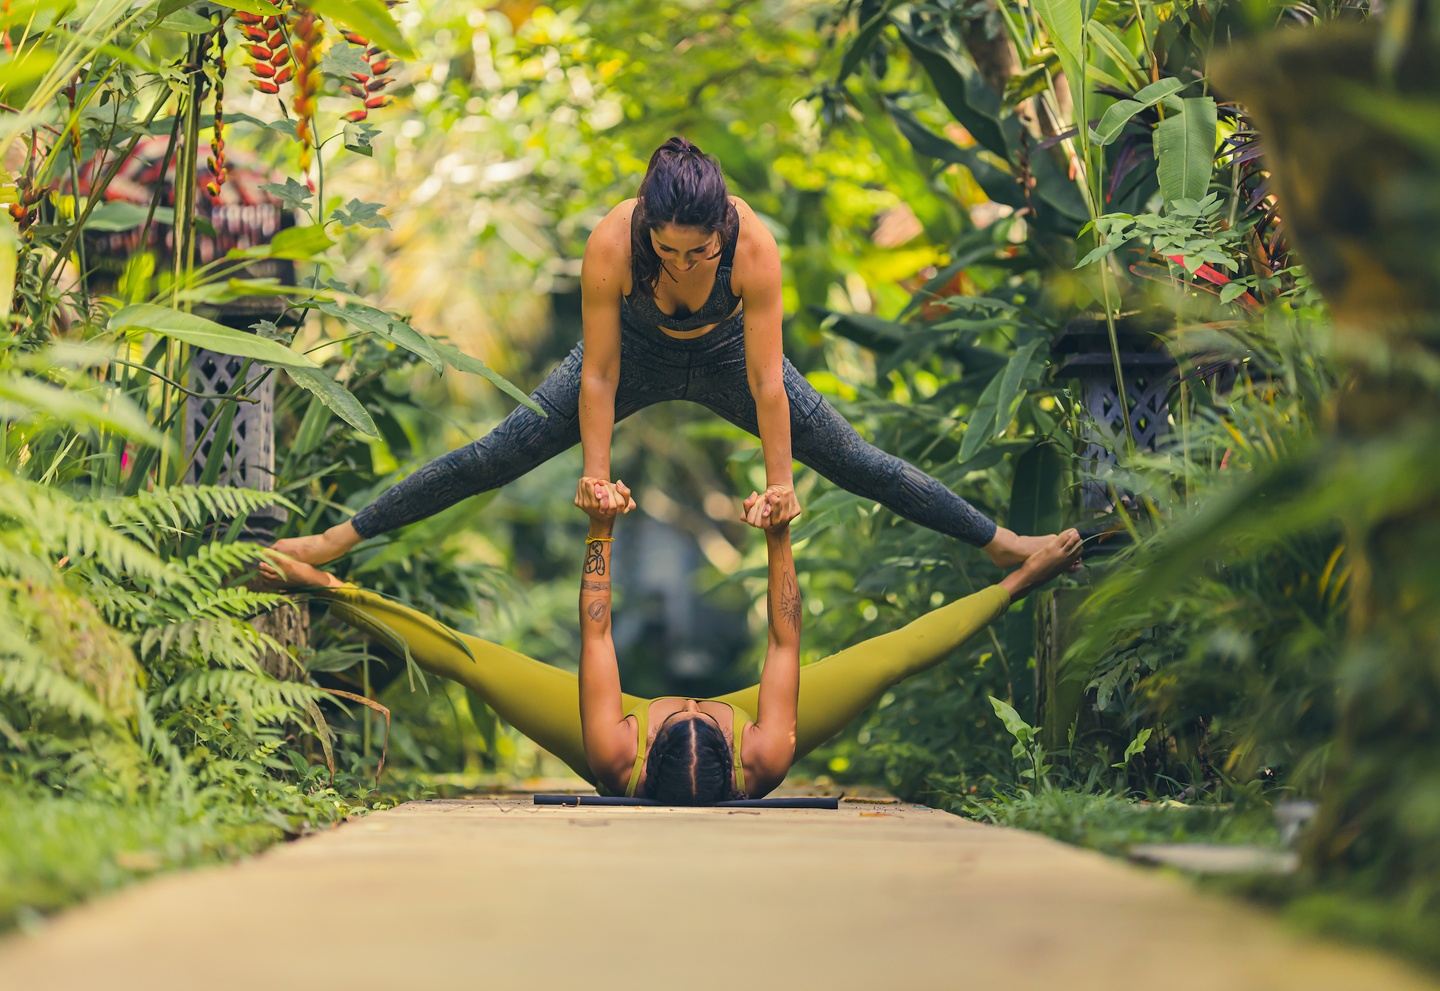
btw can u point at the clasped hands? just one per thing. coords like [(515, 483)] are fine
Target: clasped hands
[(771, 510)]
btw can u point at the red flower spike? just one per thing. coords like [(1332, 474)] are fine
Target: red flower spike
[(380, 66), (283, 76), (263, 69), (213, 190), (256, 33), (355, 39), (376, 102), (259, 52), (375, 85), (245, 17), (276, 40), (272, 22), (356, 116), (280, 56), (350, 89), (265, 86), (360, 77)]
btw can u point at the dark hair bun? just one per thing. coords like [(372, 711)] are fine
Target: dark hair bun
[(682, 146), (682, 186)]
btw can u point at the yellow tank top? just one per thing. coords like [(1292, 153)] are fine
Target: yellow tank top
[(641, 711)]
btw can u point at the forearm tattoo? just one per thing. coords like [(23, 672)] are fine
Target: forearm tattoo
[(596, 610), (790, 602), (595, 558)]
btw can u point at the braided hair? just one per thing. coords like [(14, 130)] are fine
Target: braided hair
[(682, 186), (689, 764)]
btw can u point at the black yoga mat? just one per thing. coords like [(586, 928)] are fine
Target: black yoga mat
[(743, 803)]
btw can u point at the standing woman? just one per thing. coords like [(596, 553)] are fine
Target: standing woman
[(681, 299)]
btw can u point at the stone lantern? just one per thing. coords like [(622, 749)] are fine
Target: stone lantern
[(1082, 355)]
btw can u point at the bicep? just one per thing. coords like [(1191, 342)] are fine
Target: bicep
[(602, 721), (600, 290), (764, 313)]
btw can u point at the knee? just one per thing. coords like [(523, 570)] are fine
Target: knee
[(912, 484)]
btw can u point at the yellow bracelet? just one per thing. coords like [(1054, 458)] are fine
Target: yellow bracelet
[(597, 540)]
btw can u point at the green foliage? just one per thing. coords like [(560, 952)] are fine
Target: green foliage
[(139, 727), (1113, 823)]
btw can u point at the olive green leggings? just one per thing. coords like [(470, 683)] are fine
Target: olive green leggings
[(543, 702)]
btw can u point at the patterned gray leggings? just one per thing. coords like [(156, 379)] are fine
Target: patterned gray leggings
[(709, 370)]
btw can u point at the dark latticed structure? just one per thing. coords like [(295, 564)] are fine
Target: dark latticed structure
[(1150, 374)]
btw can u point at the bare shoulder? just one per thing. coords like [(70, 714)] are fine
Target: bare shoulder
[(757, 256), (607, 251)]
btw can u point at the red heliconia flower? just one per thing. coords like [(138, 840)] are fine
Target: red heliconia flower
[(306, 36), (219, 173), (371, 82)]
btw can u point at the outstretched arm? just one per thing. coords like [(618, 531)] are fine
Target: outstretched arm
[(774, 730), (601, 277), (609, 749), (759, 259)]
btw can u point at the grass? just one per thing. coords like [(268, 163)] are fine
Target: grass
[(1113, 823), (57, 850)]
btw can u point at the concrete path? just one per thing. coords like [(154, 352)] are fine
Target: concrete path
[(496, 893)]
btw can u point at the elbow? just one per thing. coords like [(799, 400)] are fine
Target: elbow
[(601, 379), (768, 391), (766, 385)]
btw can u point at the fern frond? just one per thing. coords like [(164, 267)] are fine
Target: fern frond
[(181, 507), (214, 562), (256, 693), (233, 602), (224, 641), (28, 680), (60, 525), (20, 559), (122, 608)]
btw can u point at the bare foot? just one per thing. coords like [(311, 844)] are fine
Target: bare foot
[(320, 548), (287, 572), (1007, 549), (1058, 553)]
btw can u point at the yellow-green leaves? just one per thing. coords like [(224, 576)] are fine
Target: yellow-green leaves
[(200, 332), (370, 19), (1185, 150), (1118, 114)]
